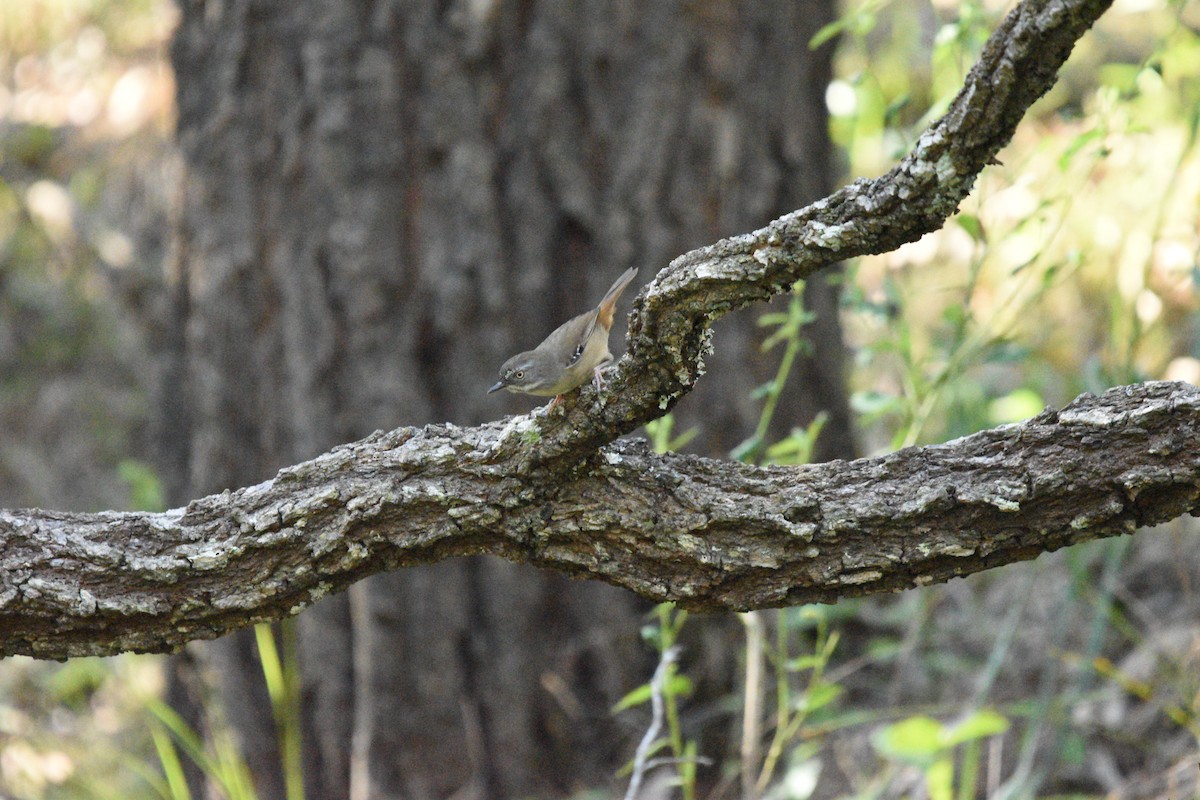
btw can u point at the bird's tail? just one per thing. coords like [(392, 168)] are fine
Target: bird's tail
[(609, 303)]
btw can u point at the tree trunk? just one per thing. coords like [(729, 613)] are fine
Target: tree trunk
[(382, 202)]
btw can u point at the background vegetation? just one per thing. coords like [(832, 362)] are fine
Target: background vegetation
[(1072, 267)]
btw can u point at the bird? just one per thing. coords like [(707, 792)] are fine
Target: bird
[(575, 351)]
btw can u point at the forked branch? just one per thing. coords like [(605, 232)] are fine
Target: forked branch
[(562, 493)]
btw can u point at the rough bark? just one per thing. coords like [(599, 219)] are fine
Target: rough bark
[(707, 534)]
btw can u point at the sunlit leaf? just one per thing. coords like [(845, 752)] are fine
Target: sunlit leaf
[(939, 779), (1077, 144), (1015, 406), (980, 725), (168, 759), (1122, 77), (916, 739)]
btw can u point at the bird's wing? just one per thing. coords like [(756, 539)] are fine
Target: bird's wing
[(566, 343), (570, 338)]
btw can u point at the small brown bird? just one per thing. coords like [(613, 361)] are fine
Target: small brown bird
[(575, 351)]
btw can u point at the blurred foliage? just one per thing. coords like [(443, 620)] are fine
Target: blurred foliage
[(66, 730), (1072, 267), (931, 745), (1090, 223), (37, 26), (145, 489), (85, 103)]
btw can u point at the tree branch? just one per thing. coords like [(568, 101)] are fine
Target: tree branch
[(670, 324), (708, 534)]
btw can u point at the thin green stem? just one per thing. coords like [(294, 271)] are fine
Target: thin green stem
[(783, 702), (669, 623)]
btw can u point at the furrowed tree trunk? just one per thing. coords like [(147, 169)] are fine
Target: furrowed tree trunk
[(382, 202)]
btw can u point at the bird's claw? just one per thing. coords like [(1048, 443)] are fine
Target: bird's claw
[(598, 377)]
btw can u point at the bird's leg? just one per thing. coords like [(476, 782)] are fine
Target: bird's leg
[(542, 411), (598, 375)]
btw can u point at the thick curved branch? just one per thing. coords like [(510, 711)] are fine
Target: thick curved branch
[(708, 534), (671, 319)]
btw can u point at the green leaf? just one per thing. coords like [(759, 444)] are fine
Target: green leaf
[(819, 696), (681, 441), (954, 314), (1078, 143), (891, 114), (806, 617), (675, 686), (1015, 406), (75, 681), (1122, 77), (635, 698), (972, 225), (746, 450), (858, 22), (687, 767), (882, 648), (798, 447), (915, 740), (145, 490), (183, 733), (872, 403), (233, 775), (980, 725), (801, 663), (679, 686), (764, 390), (827, 32), (168, 758), (659, 432), (1074, 749), (272, 666), (939, 779)]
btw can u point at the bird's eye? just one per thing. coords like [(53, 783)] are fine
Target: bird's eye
[(519, 374)]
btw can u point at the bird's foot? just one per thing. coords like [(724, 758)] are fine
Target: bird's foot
[(553, 404), (598, 377)]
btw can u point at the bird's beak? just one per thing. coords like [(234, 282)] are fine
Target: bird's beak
[(499, 385)]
